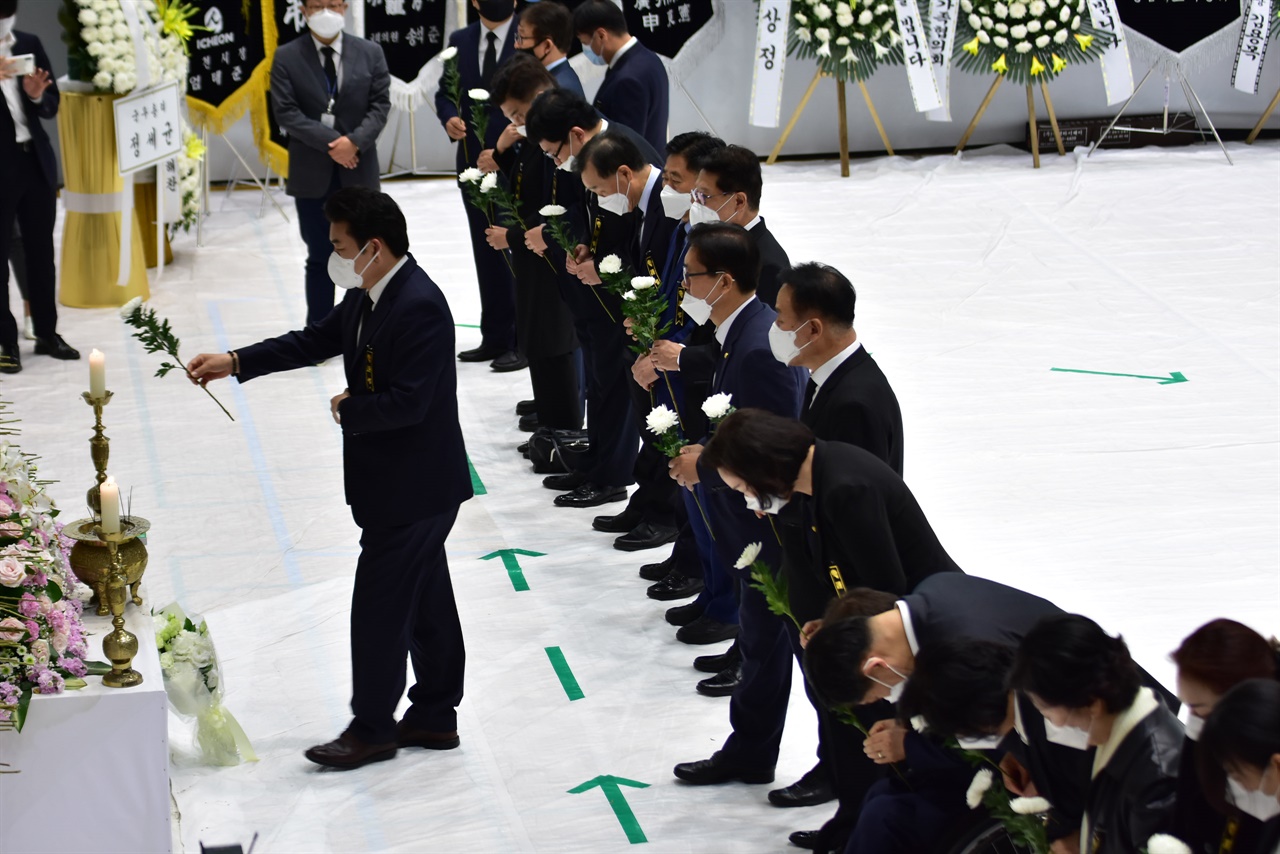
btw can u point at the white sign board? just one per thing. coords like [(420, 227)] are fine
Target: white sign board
[(148, 127), (770, 60)]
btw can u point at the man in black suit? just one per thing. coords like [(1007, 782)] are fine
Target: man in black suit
[(29, 175), (331, 95), (545, 31), (405, 470), (635, 90), (482, 47)]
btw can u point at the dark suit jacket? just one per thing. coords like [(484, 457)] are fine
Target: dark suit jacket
[(857, 406), (653, 235), (953, 605), (300, 93), (1204, 829), (567, 78), (45, 108), (467, 41), (862, 527), (773, 260), (636, 91), (1061, 773), (403, 455)]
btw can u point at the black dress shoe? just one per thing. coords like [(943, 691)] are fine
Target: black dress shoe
[(683, 615), (408, 735), (10, 360), (675, 586), (705, 630), (526, 407), (645, 536), (483, 353), (523, 449), (564, 482), (718, 769), (722, 684), (619, 524), (806, 839), (716, 663), (57, 348), (658, 571), (812, 789), (347, 753), (528, 423), (591, 495), (509, 361)]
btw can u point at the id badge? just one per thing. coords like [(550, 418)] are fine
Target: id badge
[(326, 119)]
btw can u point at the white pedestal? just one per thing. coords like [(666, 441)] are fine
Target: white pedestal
[(94, 763)]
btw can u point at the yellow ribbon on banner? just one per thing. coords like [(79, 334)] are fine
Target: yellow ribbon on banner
[(272, 153)]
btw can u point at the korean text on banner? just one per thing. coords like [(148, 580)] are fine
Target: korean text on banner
[(1251, 52), (917, 57), (1117, 75), (771, 58), (942, 44)]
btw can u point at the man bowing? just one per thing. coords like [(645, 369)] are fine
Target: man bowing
[(405, 471)]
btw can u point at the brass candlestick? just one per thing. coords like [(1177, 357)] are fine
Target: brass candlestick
[(99, 450), (120, 645)]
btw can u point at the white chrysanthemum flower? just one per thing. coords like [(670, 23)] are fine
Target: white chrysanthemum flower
[(844, 16), (629, 296), (882, 9), (821, 12), (984, 38), (102, 80), (1075, 22), (87, 17), (865, 17), (127, 310), (610, 264), (981, 782), (661, 419), (447, 54), (1022, 47), (1036, 7), (1065, 14), (718, 405), (1050, 24), (748, 556), (640, 283), (470, 175), (478, 94), (552, 210), (822, 34), (987, 23), (1030, 806), (488, 182), (1163, 843), (1042, 41), (966, 6), (1033, 26), (1053, 4), (975, 22), (843, 41), (1018, 11), (801, 18), (1061, 37), (1018, 31), (919, 724), (1000, 42), (804, 35), (1002, 11)]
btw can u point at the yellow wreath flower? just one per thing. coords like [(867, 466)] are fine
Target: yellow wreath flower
[(972, 46), (1037, 67), (1000, 66), (1058, 63), (1085, 41)]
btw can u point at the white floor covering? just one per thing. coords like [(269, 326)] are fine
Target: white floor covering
[(1150, 507)]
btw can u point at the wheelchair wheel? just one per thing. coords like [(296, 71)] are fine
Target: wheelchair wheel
[(986, 837)]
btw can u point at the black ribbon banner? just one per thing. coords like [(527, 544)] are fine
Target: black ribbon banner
[(1177, 24), (227, 59), (410, 32), (664, 26)]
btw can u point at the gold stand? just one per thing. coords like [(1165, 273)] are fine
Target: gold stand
[(1053, 119), (1257, 129), (843, 119), (99, 451), (120, 645), (844, 129), (795, 117), (1031, 120)]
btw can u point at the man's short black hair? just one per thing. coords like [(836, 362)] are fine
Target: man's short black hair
[(694, 146), (556, 112), (822, 290), (550, 21), (736, 170), (368, 214), (610, 151), (520, 77), (763, 449), (1069, 661), (959, 687), (8, 8), (592, 15), (833, 662), (728, 249)]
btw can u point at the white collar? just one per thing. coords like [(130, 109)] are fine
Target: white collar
[(604, 126), (1143, 705), (722, 331), (907, 626), (655, 176), (500, 31), (626, 47), (337, 44), (754, 222), (1017, 721), (375, 292), (559, 62), (9, 40), (824, 371)]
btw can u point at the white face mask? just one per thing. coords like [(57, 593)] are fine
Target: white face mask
[(571, 160), (326, 23), (6, 26), (1257, 803), (1194, 725), (523, 133), (783, 342), (986, 742), (700, 214), (343, 270), (617, 203), (776, 503), (1067, 736), (675, 204), (895, 691), (699, 309)]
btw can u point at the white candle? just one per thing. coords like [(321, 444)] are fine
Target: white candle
[(97, 374), (109, 495)]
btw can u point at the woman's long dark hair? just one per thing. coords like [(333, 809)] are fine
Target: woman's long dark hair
[(1068, 661), (763, 449), (1242, 729)]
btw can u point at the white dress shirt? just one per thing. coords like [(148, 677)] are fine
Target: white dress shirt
[(13, 95), (375, 292), (626, 47), (337, 56), (753, 223), (822, 373), (907, 626), (722, 331), (655, 178), (501, 32)]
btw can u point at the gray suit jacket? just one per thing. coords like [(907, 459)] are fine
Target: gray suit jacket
[(299, 94)]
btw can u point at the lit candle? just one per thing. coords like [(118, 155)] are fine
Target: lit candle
[(109, 495), (97, 374)]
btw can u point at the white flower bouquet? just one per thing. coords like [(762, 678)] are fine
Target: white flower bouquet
[(1026, 41), (100, 47), (1023, 818), (849, 39)]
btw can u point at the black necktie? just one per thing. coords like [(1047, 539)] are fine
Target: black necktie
[(809, 391), (330, 70), (490, 63), (366, 310)]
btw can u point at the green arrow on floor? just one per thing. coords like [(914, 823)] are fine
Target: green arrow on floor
[(1174, 376), (477, 486), (610, 785), (561, 667), (513, 566)]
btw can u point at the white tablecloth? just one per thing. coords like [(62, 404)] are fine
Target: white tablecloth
[(94, 763)]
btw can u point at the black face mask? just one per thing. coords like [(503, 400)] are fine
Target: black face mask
[(532, 51), (496, 10)]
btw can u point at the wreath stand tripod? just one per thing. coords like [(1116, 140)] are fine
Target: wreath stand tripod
[(1271, 108), (1031, 120), (843, 119)]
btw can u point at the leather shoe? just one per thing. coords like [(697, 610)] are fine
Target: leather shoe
[(658, 571), (591, 495), (722, 684), (57, 348), (675, 586), (408, 735), (526, 407), (509, 361), (809, 840), (523, 449), (716, 663), (705, 630), (683, 615), (10, 360), (483, 353), (619, 524), (347, 752), (564, 482), (809, 791), (718, 769), (528, 423), (645, 536)]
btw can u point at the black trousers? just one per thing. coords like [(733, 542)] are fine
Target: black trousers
[(758, 707), (610, 425), (18, 259), (556, 395), (314, 227), (28, 200), (497, 286), (656, 493), (403, 603)]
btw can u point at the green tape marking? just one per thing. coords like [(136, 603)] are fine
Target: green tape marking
[(561, 667), (1174, 376), (610, 784), (468, 325), (514, 571), (477, 486)]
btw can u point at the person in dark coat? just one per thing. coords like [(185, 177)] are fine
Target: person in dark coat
[(405, 471), (635, 90), (1240, 759), (1086, 685), (545, 31)]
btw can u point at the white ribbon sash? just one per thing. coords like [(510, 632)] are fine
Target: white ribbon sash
[(1251, 52), (942, 44), (916, 55), (1117, 74), (770, 61)]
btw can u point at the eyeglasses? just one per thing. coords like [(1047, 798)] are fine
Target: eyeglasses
[(701, 198), (687, 276), (556, 154)]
